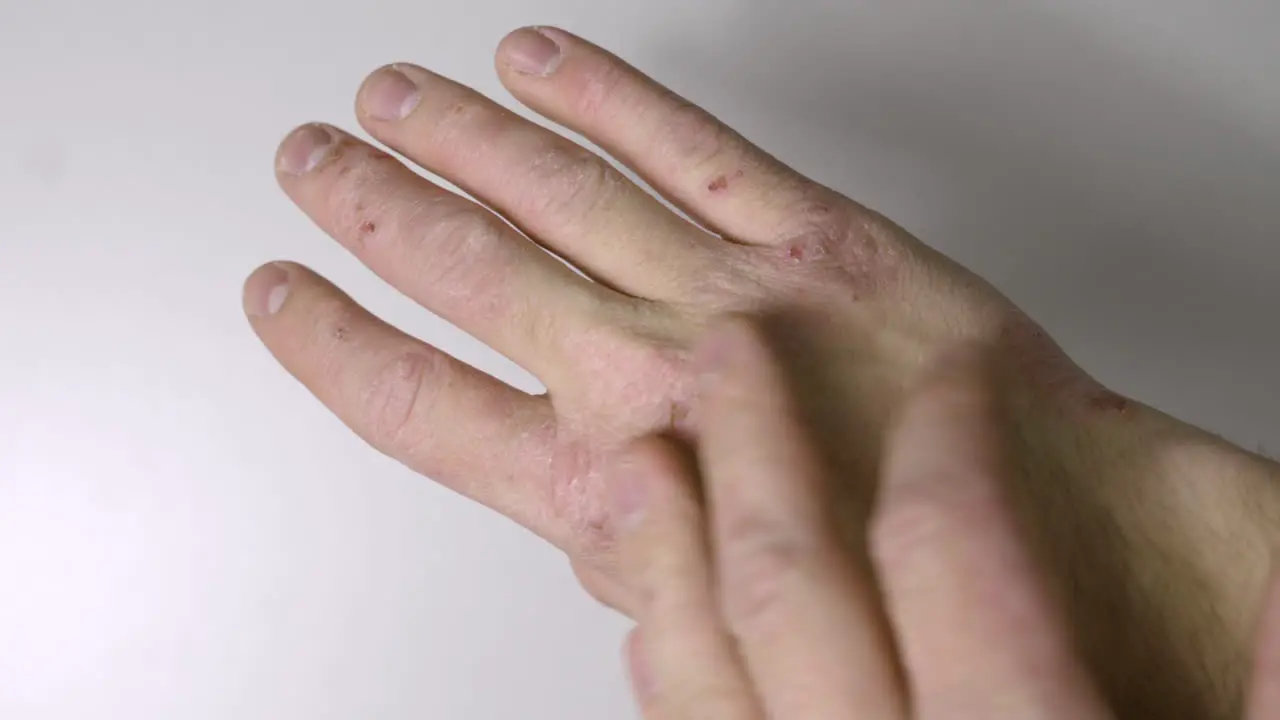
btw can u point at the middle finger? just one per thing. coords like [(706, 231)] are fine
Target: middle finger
[(569, 199)]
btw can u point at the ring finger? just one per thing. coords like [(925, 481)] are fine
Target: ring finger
[(454, 257)]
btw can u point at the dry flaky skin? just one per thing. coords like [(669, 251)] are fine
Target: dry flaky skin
[(1156, 533)]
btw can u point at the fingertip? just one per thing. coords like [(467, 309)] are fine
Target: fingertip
[(305, 148), (266, 290), (389, 94), (533, 51)]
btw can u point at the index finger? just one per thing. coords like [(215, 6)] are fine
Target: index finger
[(801, 603)]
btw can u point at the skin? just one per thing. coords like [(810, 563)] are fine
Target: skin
[(753, 607), (1133, 511)]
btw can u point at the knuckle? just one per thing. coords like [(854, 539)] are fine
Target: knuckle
[(762, 569), (817, 225), (392, 405), (834, 232), (459, 246), (914, 526), (691, 137), (569, 184)]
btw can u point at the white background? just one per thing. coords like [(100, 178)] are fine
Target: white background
[(185, 533)]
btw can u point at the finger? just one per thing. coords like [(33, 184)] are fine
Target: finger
[(690, 667), (1264, 692), (603, 585), (569, 199), (802, 607), (638, 670), (703, 166), (439, 416), (449, 254), (977, 631)]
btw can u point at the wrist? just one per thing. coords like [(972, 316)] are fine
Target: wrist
[(1212, 506), (1164, 533)]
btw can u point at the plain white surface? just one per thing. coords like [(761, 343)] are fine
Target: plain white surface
[(185, 533)]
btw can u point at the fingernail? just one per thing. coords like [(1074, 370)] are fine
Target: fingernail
[(276, 297), (266, 291), (628, 495), (533, 52), (390, 95), (304, 149)]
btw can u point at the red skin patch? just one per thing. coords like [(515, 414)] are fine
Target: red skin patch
[(1109, 402), (802, 251), (1051, 368), (368, 227), (722, 182)]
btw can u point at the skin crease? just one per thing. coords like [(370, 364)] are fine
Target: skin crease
[(1131, 510)]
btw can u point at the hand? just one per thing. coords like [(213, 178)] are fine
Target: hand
[(755, 608), (856, 300)]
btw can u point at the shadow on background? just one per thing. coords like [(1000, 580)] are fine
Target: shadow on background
[(1125, 201)]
